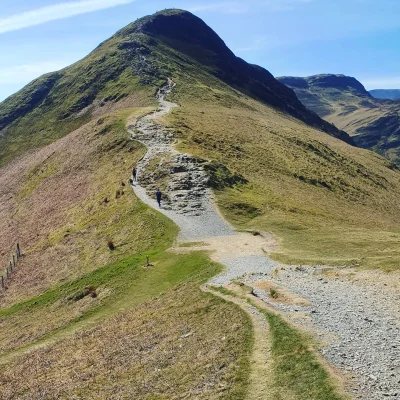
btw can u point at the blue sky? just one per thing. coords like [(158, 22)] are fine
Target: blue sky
[(360, 38)]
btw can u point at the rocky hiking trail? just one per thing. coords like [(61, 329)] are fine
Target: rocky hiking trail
[(355, 319)]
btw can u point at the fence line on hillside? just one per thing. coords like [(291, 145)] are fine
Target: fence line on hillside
[(10, 269)]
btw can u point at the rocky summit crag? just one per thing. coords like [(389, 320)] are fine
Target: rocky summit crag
[(373, 123)]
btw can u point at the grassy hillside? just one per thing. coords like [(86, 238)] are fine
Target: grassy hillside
[(373, 123), (328, 202), (97, 317), (82, 317), (125, 71), (56, 104)]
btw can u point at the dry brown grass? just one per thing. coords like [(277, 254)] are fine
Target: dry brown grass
[(182, 345), (53, 204), (60, 219)]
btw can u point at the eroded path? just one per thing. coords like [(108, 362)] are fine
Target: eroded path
[(186, 198), (358, 323)]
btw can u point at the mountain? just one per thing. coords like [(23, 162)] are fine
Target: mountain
[(343, 101), (136, 56), (105, 301), (390, 94)]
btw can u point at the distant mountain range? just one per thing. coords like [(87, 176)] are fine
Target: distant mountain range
[(391, 94), (373, 123)]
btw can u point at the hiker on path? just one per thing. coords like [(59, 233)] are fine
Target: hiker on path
[(134, 172), (158, 196)]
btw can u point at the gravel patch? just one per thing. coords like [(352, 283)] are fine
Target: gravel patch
[(192, 227), (357, 324), (239, 267)]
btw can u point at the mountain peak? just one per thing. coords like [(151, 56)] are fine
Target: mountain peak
[(170, 43), (334, 81), (178, 25)]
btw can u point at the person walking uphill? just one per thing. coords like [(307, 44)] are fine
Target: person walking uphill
[(134, 173), (158, 196)]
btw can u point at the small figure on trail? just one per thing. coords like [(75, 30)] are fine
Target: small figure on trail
[(131, 181), (134, 172), (158, 196)]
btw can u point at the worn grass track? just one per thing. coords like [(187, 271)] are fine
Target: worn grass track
[(285, 364)]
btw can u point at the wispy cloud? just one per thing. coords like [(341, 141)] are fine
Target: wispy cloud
[(57, 11), (22, 74)]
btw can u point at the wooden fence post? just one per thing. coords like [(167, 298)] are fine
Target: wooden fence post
[(14, 261), (2, 282), (18, 251)]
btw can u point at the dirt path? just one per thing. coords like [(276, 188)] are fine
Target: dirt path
[(359, 331), (261, 376), (186, 198)]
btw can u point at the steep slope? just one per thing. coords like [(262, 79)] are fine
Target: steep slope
[(232, 113), (136, 59), (390, 94), (84, 315), (373, 123)]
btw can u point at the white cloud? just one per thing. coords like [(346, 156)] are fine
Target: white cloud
[(22, 74), (382, 83), (57, 11)]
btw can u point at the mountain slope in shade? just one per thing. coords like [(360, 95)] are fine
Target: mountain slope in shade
[(373, 123), (136, 59), (389, 94)]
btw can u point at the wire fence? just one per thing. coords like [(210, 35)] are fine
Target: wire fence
[(8, 272)]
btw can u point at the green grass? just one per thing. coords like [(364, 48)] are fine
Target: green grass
[(296, 367), (192, 244), (128, 282), (122, 275)]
